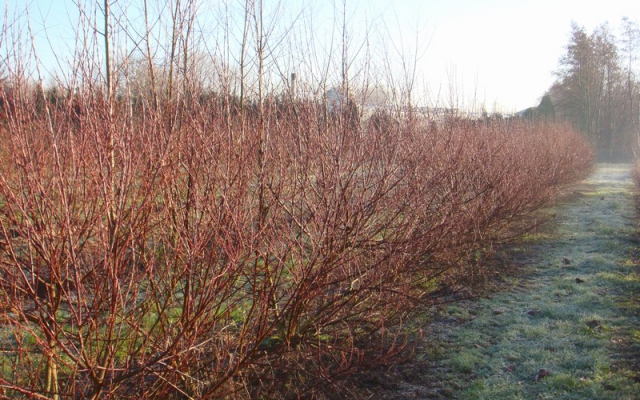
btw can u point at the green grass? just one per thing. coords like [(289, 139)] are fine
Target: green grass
[(578, 320)]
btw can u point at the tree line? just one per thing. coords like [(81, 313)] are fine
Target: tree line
[(597, 87)]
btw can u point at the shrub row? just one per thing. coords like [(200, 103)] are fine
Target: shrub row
[(197, 251)]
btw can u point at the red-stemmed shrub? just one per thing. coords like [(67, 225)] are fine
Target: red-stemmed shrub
[(182, 261), (161, 238)]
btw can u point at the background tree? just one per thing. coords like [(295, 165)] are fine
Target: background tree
[(629, 58), (546, 109), (596, 88)]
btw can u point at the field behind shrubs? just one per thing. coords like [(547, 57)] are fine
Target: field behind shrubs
[(200, 250)]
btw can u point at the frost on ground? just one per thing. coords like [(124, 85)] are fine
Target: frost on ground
[(566, 327)]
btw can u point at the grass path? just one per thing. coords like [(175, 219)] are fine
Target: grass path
[(566, 327)]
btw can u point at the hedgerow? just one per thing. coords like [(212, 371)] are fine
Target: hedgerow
[(163, 239), (213, 258)]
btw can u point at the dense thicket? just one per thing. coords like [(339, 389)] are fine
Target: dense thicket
[(598, 90), (145, 257), (162, 239)]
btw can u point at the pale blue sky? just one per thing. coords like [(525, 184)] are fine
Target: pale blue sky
[(503, 52), (499, 54)]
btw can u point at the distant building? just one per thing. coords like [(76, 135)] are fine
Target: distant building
[(375, 99)]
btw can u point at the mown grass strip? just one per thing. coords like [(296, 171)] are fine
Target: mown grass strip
[(572, 331)]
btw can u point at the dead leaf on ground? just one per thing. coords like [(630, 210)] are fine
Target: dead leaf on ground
[(594, 323), (542, 373)]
